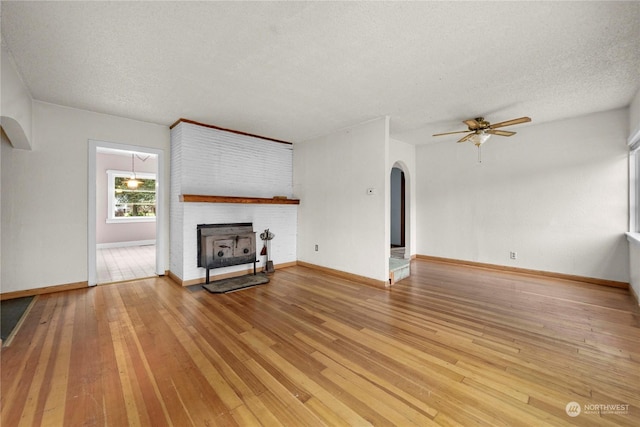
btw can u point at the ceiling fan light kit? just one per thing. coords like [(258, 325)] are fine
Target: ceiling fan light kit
[(481, 130), (478, 139)]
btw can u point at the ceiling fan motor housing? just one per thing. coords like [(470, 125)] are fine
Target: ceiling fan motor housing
[(481, 124)]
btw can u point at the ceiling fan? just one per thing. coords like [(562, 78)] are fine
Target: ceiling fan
[(480, 130)]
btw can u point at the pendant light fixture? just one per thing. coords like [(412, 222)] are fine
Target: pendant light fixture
[(132, 182)]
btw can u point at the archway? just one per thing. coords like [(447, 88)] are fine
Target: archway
[(400, 223), (398, 209)]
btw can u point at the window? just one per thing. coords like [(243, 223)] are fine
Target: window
[(131, 204)]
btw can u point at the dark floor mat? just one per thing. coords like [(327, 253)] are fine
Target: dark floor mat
[(235, 283), (11, 311)]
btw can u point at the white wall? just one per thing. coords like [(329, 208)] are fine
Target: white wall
[(119, 232), (634, 245), (44, 194), (634, 114), (6, 152), (403, 155), (634, 257), (331, 177), (555, 193), (15, 125), (176, 209), (15, 104), (208, 161)]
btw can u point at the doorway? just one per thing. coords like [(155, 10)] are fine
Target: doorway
[(126, 237), (398, 213)]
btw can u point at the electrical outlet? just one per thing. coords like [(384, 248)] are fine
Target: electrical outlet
[(316, 248), (513, 255)]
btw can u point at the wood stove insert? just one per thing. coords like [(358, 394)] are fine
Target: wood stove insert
[(224, 245)]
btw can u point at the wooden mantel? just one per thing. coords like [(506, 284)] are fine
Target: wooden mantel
[(196, 198)]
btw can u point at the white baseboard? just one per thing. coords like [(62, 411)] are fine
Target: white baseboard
[(125, 244)]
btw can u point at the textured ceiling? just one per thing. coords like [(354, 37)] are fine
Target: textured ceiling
[(296, 70)]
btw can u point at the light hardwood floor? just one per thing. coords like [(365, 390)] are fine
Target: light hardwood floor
[(450, 345)]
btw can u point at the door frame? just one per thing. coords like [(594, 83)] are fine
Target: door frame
[(161, 239)]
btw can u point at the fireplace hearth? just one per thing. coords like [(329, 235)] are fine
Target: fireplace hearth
[(224, 245)]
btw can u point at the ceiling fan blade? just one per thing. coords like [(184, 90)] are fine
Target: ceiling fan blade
[(500, 132), (466, 137), (450, 133), (472, 123), (510, 122)]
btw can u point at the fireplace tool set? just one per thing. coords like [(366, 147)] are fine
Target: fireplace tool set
[(266, 237)]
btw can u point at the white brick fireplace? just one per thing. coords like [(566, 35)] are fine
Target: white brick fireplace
[(208, 161)]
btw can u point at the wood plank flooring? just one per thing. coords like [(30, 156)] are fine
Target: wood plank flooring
[(450, 345)]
